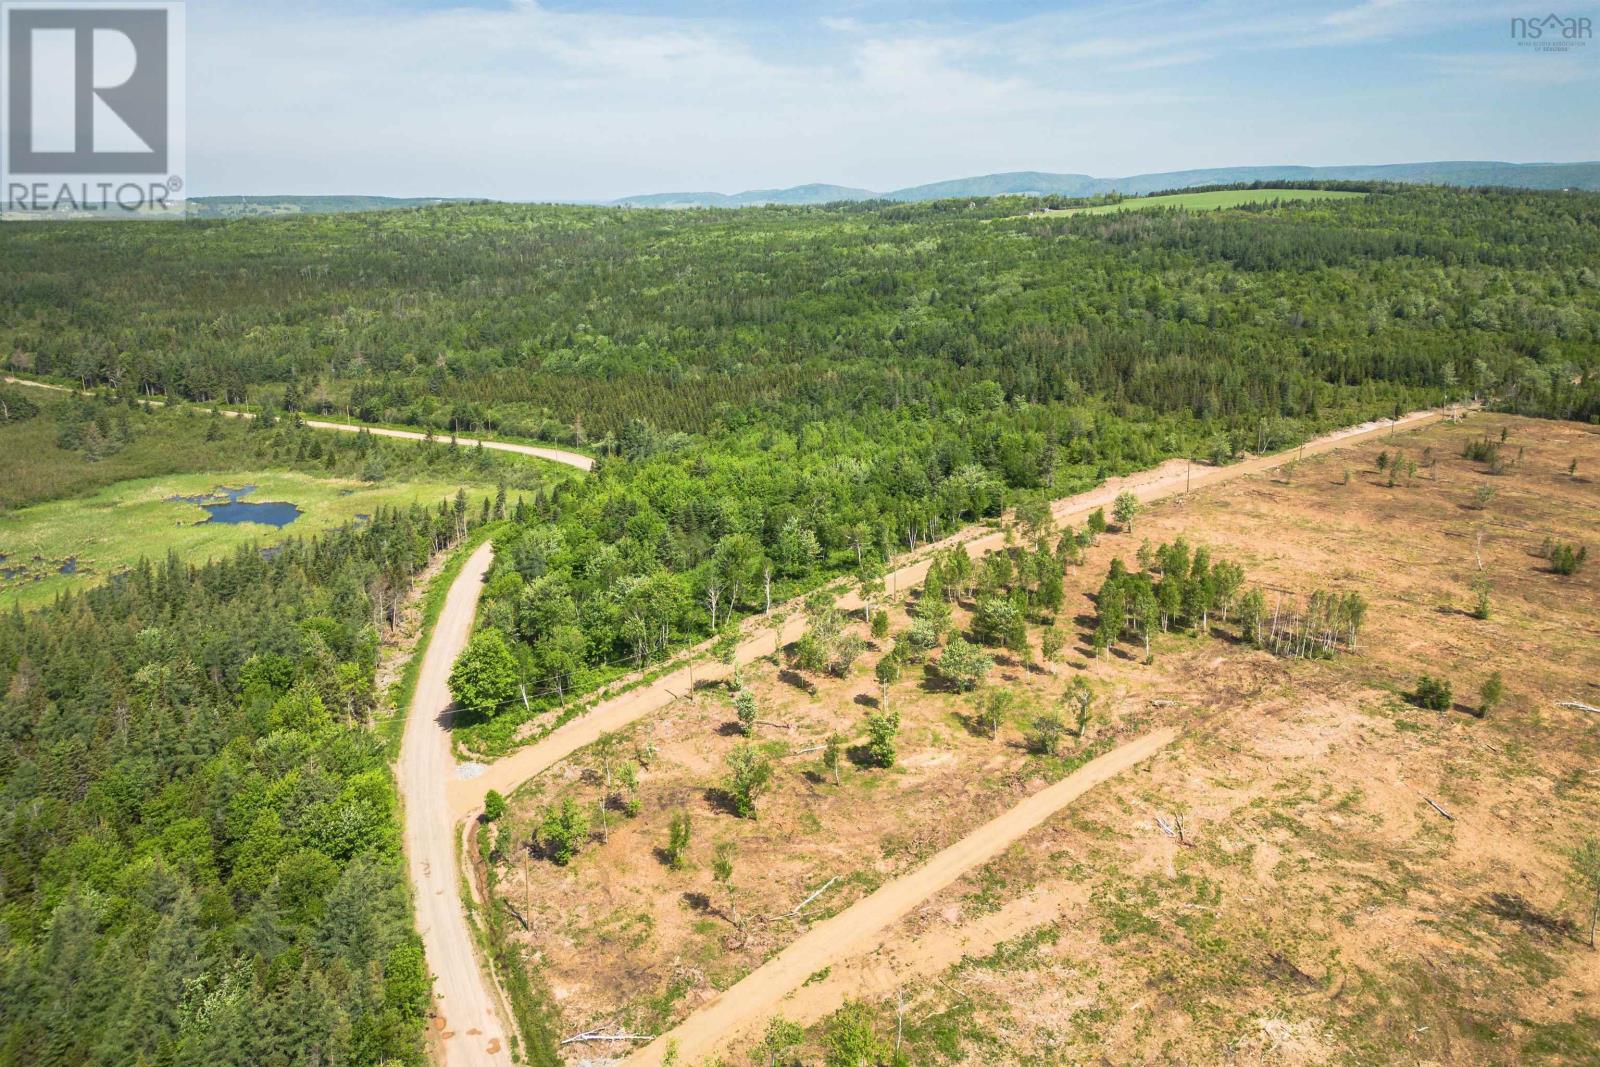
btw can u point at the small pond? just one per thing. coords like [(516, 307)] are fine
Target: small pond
[(225, 506)]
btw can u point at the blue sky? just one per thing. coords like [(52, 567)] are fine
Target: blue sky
[(594, 99)]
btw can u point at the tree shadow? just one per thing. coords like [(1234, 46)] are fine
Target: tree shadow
[(934, 682), (731, 728), (697, 902), (1279, 967), (721, 800), (861, 756), (867, 700), (798, 681), (1513, 907)]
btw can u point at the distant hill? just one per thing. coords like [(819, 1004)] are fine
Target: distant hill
[(799, 194), (230, 207), (1040, 183)]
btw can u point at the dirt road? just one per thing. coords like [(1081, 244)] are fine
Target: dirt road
[(1170, 479), (554, 455), (741, 1010), (467, 1031)]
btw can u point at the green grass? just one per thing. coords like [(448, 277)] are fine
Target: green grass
[(114, 527), (1222, 198)]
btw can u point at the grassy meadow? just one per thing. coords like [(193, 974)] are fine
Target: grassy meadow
[(114, 527), (97, 486), (1211, 201)]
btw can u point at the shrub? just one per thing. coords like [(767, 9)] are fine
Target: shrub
[(680, 830), (494, 805), (923, 637), (1490, 693), (1432, 693), (744, 706), (882, 727), (749, 776), (1048, 729), (563, 831), (1568, 559)]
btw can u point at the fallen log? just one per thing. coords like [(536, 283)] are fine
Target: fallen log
[(794, 912), (1437, 808), (596, 1035)]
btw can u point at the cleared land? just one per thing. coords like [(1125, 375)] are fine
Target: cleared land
[(113, 528), (1212, 201), (1323, 910)]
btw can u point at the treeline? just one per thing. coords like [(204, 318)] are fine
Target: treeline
[(199, 842)]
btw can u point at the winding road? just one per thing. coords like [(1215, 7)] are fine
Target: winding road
[(554, 455), (467, 1026)]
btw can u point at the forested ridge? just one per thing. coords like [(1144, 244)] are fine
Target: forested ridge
[(199, 841)]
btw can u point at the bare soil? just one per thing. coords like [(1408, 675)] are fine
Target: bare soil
[(1324, 911)]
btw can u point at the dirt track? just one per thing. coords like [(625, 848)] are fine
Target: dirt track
[(1170, 479), (467, 1031), (555, 455), (740, 1010)]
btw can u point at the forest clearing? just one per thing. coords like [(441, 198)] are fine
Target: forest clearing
[(1207, 201), (1314, 775)]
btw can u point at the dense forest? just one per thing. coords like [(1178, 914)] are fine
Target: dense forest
[(786, 394), (574, 323), (199, 846)]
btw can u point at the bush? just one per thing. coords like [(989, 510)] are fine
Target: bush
[(964, 666), (563, 832), (749, 776), (1048, 730), (679, 832), (494, 805), (744, 705), (1567, 559), (1491, 693), (881, 730), (1432, 693), (923, 637)]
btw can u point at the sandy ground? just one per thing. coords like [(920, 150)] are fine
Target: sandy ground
[(554, 455), (1170, 479), (751, 1002), (467, 1030)]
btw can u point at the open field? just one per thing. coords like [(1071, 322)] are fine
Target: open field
[(115, 526), (1275, 937), (1212, 201)]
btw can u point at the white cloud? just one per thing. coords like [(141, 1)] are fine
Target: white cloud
[(525, 102)]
